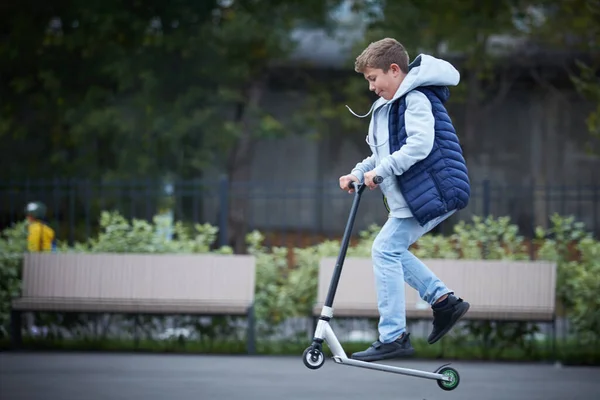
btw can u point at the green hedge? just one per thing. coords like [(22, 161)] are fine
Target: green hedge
[(287, 288)]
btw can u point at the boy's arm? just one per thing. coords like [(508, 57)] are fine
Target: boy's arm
[(366, 165), (419, 123)]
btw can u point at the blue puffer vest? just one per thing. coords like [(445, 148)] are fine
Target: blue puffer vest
[(440, 182)]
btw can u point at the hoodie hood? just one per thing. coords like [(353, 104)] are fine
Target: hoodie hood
[(425, 70)]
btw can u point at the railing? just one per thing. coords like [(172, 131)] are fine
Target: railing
[(295, 213)]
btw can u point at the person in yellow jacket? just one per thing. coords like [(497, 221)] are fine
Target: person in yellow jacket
[(40, 236)]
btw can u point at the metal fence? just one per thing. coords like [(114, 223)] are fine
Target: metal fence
[(293, 213)]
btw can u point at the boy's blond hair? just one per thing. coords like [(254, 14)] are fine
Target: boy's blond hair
[(381, 54)]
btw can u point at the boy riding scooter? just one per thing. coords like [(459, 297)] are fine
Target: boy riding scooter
[(417, 154)]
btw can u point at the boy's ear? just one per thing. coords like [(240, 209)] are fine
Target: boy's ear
[(395, 69)]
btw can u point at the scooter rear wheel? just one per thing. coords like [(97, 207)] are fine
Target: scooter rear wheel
[(454, 378)]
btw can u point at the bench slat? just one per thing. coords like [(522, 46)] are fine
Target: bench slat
[(130, 306)]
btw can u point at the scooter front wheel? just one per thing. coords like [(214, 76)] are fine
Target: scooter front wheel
[(313, 358)]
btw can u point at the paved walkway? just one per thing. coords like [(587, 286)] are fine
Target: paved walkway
[(96, 376)]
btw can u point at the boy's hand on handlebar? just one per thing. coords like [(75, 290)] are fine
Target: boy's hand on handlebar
[(369, 176), (346, 183)]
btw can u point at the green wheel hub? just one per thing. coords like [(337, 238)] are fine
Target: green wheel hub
[(454, 378)]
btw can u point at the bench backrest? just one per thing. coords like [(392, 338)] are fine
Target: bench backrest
[(189, 277), (496, 289)]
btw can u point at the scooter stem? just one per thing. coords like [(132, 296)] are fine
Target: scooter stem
[(337, 272)]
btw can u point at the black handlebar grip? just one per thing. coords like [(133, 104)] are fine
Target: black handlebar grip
[(378, 179)]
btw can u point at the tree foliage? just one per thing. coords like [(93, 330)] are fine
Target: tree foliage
[(573, 26), (476, 36), (128, 89), (114, 90), (120, 90)]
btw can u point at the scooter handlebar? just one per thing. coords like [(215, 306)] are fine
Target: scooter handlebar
[(359, 186)]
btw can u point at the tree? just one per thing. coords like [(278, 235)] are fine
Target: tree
[(114, 90), (101, 90), (249, 37), (573, 26), (475, 35)]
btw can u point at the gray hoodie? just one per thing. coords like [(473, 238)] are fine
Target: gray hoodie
[(419, 123)]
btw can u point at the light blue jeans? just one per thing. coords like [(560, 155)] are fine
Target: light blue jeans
[(393, 264)]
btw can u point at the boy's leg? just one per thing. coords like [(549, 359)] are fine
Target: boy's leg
[(392, 264), (417, 274), (447, 308)]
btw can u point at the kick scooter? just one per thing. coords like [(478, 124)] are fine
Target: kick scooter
[(447, 378)]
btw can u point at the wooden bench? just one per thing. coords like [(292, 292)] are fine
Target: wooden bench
[(497, 290), (167, 284)]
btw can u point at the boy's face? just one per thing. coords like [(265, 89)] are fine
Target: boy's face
[(385, 84)]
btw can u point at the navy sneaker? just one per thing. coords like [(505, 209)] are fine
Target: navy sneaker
[(382, 351), (445, 315)]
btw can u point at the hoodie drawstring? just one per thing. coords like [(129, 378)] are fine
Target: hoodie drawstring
[(361, 116), (374, 126)]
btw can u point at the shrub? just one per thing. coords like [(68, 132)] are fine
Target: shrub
[(577, 255), (288, 289), (13, 243)]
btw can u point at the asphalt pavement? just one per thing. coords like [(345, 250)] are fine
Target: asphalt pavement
[(96, 376)]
